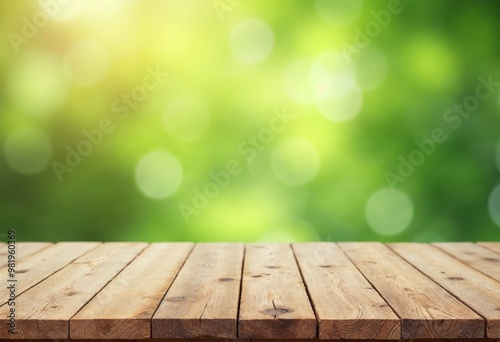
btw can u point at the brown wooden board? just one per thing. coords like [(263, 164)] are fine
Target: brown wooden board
[(23, 249), (425, 308), (494, 246), (346, 304), (478, 291), (476, 256), (35, 268), (124, 308), (203, 299), (274, 302), (44, 310)]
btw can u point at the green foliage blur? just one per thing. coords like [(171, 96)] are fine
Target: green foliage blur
[(239, 120)]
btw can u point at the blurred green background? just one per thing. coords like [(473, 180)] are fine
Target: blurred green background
[(122, 120)]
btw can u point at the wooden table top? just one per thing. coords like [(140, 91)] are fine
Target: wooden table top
[(121, 290)]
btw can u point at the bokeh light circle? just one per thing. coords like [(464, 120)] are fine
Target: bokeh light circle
[(372, 67), (339, 12), (295, 161), (389, 211), (158, 174), (251, 40), (28, 150), (343, 108), (297, 82), (494, 205), (36, 83), (332, 75), (86, 63), (186, 119)]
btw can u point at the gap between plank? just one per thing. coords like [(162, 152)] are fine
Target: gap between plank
[(451, 293), (56, 271), (307, 291), (241, 289), (95, 294), (373, 286), (166, 291), (463, 262)]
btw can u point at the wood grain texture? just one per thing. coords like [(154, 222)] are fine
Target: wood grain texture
[(476, 256), (346, 305), (203, 299), (23, 249), (44, 310), (274, 302), (257, 340), (124, 308), (478, 291), (425, 308), (494, 246), (35, 268)]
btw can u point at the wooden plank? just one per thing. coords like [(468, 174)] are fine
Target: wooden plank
[(476, 256), (274, 301), (257, 340), (23, 249), (425, 308), (494, 246), (203, 300), (35, 268), (369, 340), (346, 304), (185, 340), (141, 285), (44, 311), (472, 287)]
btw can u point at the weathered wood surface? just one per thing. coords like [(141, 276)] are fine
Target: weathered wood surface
[(23, 249), (123, 309), (274, 301), (475, 289), (425, 308), (346, 304), (89, 291), (203, 300)]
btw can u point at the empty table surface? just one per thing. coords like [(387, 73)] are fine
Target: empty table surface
[(298, 291)]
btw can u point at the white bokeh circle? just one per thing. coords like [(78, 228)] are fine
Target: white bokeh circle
[(372, 67), (158, 174), (389, 211), (295, 161), (297, 82), (251, 40), (340, 109), (36, 83), (28, 150), (332, 74)]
